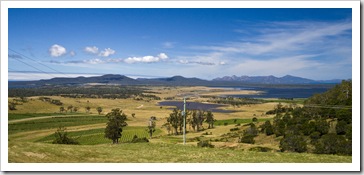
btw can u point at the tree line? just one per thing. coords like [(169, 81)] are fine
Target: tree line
[(194, 118), (110, 92)]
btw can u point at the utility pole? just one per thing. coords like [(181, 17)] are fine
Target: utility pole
[(184, 120)]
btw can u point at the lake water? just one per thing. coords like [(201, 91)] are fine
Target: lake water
[(284, 92)]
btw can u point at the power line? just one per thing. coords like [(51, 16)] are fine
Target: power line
[(24, 72), (37, 62), (33, 67)]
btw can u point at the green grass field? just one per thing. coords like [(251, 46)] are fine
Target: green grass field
[(15, 116), (55, 122), (96, 136)]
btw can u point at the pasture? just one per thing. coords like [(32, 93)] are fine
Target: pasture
[(32, 126)]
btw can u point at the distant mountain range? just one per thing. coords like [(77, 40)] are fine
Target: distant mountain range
[(288, 79), (172, 81)]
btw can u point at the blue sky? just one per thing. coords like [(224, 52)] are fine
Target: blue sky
[(205, 43)]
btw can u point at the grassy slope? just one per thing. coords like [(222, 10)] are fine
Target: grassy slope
[(153, 152)]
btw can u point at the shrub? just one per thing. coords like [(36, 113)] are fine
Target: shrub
[(61, 137), (315, 136), (341, 127), (293, 143), (267, 128), (252, 130), (137, 140), (247, 139), (234, 129), (205, 143), (322, 126), (333, 144), (261, 149), (12, 106), (255, 119)]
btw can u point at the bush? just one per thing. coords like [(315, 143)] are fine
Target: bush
[(247, 139), (322, 126), (261, 149), (12, 106), (255, 119), (205, 143), (61, 137), (138, 140), (234, 129), (267, 128), (333, 144), (341, 127), (315, 136), (293, 143), (252, 130)]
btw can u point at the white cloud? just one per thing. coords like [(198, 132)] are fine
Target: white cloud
[(107, 52), (284, 37), (163, 56), (92, 50), (72, 53), (57, 50), (147, 59)]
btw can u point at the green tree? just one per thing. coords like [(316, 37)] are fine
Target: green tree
[(114, 126), (99, 110), (210, 119), (151, 126), (174, 120)]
